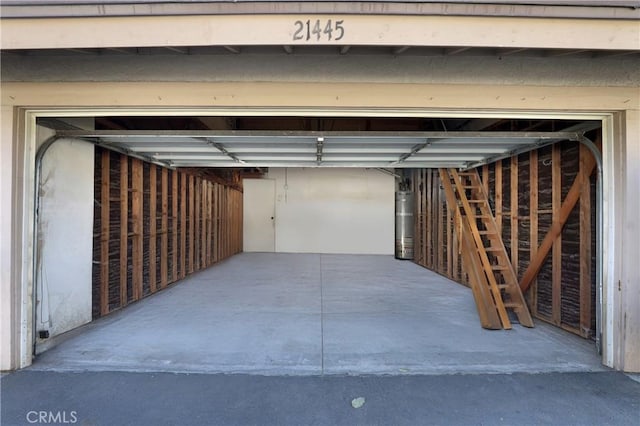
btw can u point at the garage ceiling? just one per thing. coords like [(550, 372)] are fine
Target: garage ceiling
[(321, 149)]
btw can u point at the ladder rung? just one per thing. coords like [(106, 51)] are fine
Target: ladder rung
[(477, 201), (502, 286), (470, 186), (466, 174), (486, 232), (493, 248), (512, 305), (500, 267)]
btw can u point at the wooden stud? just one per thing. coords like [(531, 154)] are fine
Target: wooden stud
[(175, 176), (556, 254), (105, 192), (191, 223), (226, 221), (124, 231), (485, 178), (210, 235), (498, 197), (205, 224), (515, 244), (424, 218), (212, 217), (455, 250), (203, 229), (449, 243), (164, 226), (227, 226), (533, 222), (137, 227), (219, 224), (417, 252), (214, 227), (440, 225), (418, 218), (153, 218), (429, 220), (183, 225), (197, 225), (239, 220), (585, 242)]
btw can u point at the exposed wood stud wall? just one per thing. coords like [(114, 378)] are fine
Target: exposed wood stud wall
[(550, 236), (162, 225), (105, 209), (436, 243)]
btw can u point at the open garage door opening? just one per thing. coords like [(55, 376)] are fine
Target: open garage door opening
[(309, 202)]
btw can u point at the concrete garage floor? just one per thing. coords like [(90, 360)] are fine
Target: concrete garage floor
[(307, 314)]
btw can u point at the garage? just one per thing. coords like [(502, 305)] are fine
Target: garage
[(234, 175), (282, 252)]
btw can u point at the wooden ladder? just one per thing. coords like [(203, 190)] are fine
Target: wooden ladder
[(493, 280)]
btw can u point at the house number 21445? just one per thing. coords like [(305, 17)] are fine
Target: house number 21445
[(318, 30)]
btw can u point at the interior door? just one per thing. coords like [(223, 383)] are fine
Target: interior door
[(259, 215)]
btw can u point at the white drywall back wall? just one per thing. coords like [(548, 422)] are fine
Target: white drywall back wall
[(66, 237), (333, 210)]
